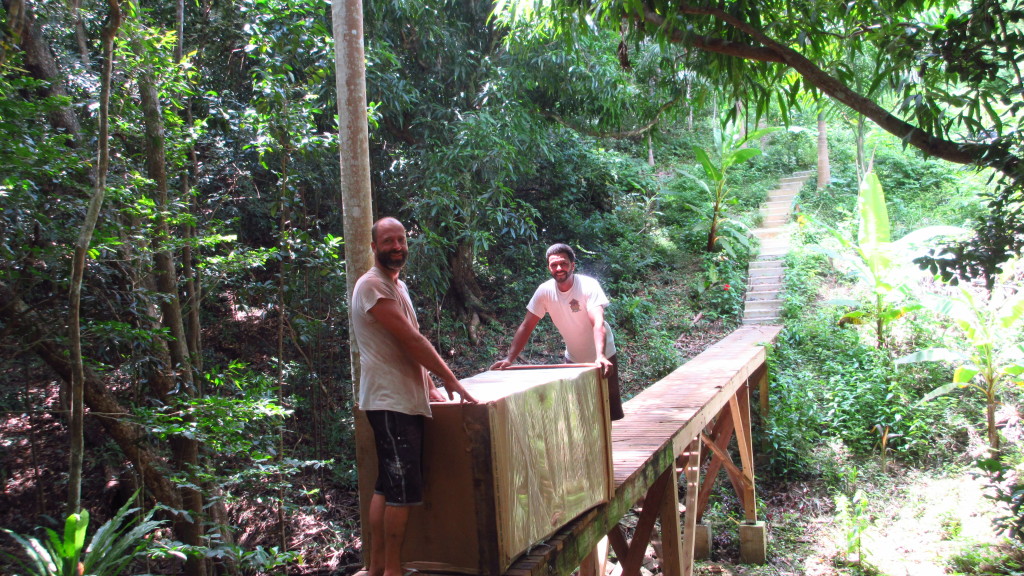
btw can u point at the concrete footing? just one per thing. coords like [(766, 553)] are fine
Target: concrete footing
[(702, 542), (753, 543)]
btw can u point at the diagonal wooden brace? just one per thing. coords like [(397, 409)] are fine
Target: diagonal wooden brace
[(739, 406), (631, 554), (720, 437)]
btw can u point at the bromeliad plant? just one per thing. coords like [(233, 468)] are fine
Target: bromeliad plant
[(111, 550), (990, 354)]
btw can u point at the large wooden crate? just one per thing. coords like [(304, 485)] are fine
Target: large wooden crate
[(507, 473)]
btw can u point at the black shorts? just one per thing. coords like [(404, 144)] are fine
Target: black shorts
[(399, 441), (614, 392)]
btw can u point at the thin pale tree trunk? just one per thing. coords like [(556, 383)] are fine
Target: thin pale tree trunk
[(78, 265), (193, 293), (862, 161), (824, 166), (356, 197)]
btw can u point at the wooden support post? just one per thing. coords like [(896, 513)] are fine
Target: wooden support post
[(672, 553), (619, 543), (760, 377), (739, 405), (690, 518), (762, 391), (596, 563)]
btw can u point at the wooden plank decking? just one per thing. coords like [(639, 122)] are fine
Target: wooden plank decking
[(662, 423)]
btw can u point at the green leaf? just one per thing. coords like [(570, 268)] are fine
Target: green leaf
[(874, 217), (709, 168), (964, 374), (1011, 311), (940, 391), (743, 155), (1013, 369), (932, 355), (83, 524)]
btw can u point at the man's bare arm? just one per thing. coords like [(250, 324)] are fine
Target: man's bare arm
[(519, 341), (388, 313), (597, 319)]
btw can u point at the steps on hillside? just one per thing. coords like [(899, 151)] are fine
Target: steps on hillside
[(761, 292), (764, 283), (757, 282)]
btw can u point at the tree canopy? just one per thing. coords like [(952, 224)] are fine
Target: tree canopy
[(944, 76)]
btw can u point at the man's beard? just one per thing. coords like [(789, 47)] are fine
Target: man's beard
[(393, 260), (561, 277)]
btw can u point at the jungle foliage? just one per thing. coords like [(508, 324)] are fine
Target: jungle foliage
[(214, 320)]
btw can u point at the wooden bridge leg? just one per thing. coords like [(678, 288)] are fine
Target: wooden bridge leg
[(596, 563), (720, 436), (739, 405), (761, 376), (692, 456), (753, 539), (671, 541)]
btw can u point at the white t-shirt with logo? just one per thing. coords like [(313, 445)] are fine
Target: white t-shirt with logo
[(389, 379), (568, 311)]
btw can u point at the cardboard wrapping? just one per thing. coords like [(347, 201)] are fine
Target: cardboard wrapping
[(503, 475)]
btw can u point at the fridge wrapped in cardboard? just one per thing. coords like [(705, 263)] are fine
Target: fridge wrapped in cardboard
[(503, 475)]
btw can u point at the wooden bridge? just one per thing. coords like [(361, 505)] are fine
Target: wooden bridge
[(695, 410), (700, 406)]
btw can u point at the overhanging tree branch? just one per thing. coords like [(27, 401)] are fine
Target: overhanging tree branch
[(772, 51)]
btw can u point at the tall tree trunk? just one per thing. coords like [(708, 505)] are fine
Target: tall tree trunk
[(354, 144), (80, 35), (357, 205), (40, 62), (193, 289), (741, 119), (186, 450), (285, 223), (824, 167), (862, 162), (78, 265), (689, 102), (465, 291)]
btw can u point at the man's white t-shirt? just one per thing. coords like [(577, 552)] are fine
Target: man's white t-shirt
[(388, 378), (569, 312)]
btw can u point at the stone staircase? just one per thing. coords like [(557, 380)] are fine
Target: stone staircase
[(764, 283)]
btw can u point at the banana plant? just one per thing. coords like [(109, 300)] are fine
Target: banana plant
[(729, 151), (990, 355), (879, 263)]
